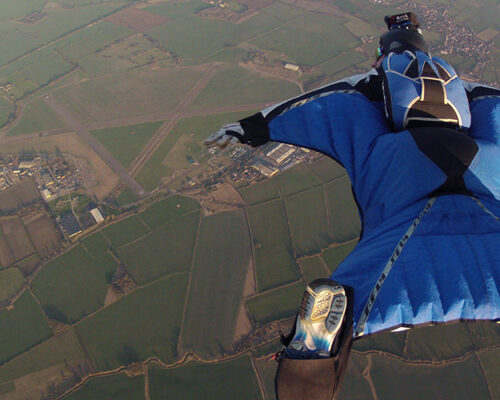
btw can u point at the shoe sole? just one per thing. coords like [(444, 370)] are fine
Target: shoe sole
[(321, 314)]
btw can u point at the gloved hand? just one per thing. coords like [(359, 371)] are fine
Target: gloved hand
[(228, 134)]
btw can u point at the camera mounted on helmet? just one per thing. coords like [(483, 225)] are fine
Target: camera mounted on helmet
[(404, 33)]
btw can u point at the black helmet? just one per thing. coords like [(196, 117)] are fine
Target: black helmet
[(404, 34)]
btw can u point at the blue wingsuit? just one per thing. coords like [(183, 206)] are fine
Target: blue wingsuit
[(428, 196)]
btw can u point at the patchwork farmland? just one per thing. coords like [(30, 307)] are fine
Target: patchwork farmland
[(190, 282)]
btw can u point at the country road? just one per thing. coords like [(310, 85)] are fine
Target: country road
[(94, 144)]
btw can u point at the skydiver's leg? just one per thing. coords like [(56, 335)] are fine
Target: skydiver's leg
[(315, 360)]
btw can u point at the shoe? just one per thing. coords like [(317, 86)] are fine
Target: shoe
[(320, 318)]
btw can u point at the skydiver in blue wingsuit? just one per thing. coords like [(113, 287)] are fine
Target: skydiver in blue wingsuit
[(422, 150)]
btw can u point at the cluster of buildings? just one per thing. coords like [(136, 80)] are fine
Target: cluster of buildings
[(54, 176), (459, 39)]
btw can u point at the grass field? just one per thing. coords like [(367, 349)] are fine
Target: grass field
[(355, 386), (395, 379), (11, 280), (236, 86), (333, 256), (278, 304), (274, 259), (196, 381), (74, 284), (259, 192), (126, 196), (54, 351), (177, 10), (343, 212), (96, 244), (37, 116), (295, 180), (167, 210), (167, 249), (327, 169), (90, 40), (308, 220), (20, 8), (6, 110), (55, 23), (125, 231), (131, 94), (267, 372), (126, 142), (26, 324), (197, 44), (217, 282), (433, 344), (489, 360), (313, 268), (311, 39), (342, 62), (116, 336), (34, 71), (392, 343), (162, 163), (27, 265), (118, 386)]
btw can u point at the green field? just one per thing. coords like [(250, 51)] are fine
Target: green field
[(27, 265), (126, 142), (24, 327), (195, 45), (276, 304), (433, 344), (392, 343), (130, 94), (178, 9), (166, 249), (310, 40), (74, 284), (20, 8), (55, 23), (34, 71), (274, 258), (37, 117), (11, 280), (342, 62), (355, 386), (313, 268), (296, 180), (6, 111), (118, 386), (333, 256), (343, 212), (489, 360), (327, 169), (259, 192), (308, 220), (118, 336), (52, 362), (267, 372), (126, 196), (125, 231), (96, 244), (171, 155), (195, 381), (90, 40), (217, 282), (167, 210), (459, 380), (237, 86)]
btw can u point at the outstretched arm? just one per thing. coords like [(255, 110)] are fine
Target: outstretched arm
[(323, 119)]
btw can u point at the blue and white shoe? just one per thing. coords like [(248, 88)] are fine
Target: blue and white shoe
[(320, 319)]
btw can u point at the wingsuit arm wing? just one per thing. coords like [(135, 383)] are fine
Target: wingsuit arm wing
[(339, 119)]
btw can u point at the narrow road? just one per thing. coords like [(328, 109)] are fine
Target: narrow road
[(95, 145)]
